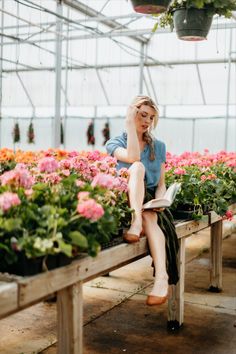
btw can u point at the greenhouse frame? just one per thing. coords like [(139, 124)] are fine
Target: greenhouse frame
[(67, 63)]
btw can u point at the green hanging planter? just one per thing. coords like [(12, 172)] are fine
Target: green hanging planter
[(192, 24), (150, 6)]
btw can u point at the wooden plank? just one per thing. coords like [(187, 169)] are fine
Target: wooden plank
[(70, 319), (176, 296), (8, 298), (34, 288), (186, 228), (216, 256)]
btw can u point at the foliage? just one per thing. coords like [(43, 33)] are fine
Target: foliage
[(106, 133), (219, 7), (90, 134), (30, 133), (16, 133), (43, 206), (208, 181)]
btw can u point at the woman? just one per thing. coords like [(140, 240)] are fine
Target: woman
[(144, 155)]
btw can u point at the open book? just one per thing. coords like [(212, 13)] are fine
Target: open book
[(166, 200)]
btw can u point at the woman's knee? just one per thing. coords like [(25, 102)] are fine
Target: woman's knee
[(138, 168), (149, 217)]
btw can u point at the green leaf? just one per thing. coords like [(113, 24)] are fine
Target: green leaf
[(78, 239), (12, 224), (65, 248)]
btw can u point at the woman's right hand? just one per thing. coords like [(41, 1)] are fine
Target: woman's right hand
[(131, 114)]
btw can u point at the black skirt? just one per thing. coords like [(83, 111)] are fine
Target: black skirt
[(166, 223)]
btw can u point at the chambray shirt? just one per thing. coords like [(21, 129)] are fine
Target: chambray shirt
[(152, 168)]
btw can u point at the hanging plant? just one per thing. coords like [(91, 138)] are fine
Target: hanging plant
[(62, 133), (16, 133), (90, 134), (30, 133), (106, 133)]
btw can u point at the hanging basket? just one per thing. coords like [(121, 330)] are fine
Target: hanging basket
[(192, 24), (150, 6)]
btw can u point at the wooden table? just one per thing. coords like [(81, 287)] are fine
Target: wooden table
[(17, 293)]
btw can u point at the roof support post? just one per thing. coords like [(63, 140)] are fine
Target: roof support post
[(141, 67), (1, 68), (57, 119), (228, 92)]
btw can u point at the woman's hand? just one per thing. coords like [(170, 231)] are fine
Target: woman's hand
[(131, 114), (158, 210)]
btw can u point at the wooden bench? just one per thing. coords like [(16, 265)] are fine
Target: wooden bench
[(17, 293)]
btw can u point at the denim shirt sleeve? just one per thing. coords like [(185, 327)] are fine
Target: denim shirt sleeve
[(114, 143)]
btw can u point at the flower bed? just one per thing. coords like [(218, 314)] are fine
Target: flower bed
[(208, 182), (55, 203), (58, 202)]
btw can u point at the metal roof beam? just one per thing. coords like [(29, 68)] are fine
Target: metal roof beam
[(126, 65), (105, 20)]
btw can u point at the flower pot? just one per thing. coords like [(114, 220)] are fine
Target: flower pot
[(182, 214), (31, 266), (192, 24), (150, 6)]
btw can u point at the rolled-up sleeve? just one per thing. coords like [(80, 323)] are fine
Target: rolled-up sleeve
[(114, 143), (163, 153)]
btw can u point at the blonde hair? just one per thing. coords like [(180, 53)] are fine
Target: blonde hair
[(138, 101)]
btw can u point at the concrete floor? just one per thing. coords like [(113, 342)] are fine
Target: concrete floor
[(116, 319)]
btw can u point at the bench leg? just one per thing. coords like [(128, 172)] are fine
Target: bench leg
[(70, 319), (176, 298), (216, 257)]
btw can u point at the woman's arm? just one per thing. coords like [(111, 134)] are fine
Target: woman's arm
[(132, 152), (161, 189)]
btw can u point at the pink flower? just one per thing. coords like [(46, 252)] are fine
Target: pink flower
[(79, 183), (203, 178), (228, 215), (65, 172), (53, 178), (211, 176), (29, 192), (103, 180), (19, 177), (48, 164), (90, 210), (179, 171), (8, 199), (82, 196)]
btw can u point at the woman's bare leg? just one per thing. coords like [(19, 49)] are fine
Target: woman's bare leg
[(156, 241), (136, 196)]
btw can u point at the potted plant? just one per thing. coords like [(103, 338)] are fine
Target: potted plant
[(192, 18), (150, 6)]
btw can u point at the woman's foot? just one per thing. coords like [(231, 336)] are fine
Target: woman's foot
[(159, 292), (133, 234)]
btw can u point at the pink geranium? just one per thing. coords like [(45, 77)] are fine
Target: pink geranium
[(90, 209), (180, 171), (8, 199), (103, 180), (48, 164), (19, 177), (82, 196)]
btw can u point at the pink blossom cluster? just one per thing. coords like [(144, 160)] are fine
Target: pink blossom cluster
[(48, 164), (19, 177), (211, 176), (8, 199), (201, 160), (90, 209), (110, 182)]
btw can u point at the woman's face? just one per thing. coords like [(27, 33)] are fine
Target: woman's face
[(144, 118)]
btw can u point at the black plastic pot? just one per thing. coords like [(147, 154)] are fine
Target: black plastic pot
[(192, 24), (150, 6), (31, 266)]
